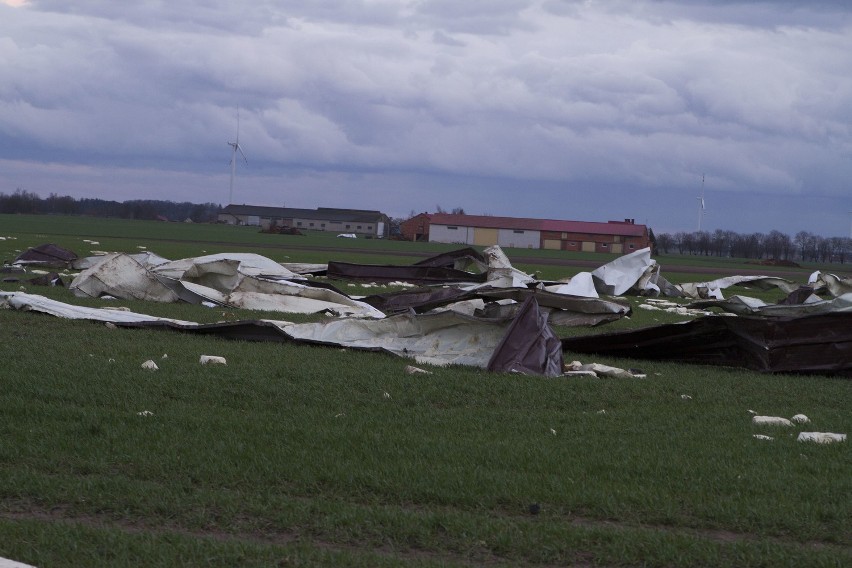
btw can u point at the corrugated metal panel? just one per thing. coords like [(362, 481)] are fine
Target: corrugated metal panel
[(552, 244), (588, 246)]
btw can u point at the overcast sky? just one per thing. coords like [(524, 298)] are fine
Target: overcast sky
[(582, 110)]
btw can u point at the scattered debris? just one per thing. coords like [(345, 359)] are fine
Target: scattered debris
[(821, 437), (474, 316), (800, 419), (412, 370), (149, 365), (47, 255), (386, 395), (685, 397), (762, 437), (212, 360), (598, 369), (770, 421), (145, 413)]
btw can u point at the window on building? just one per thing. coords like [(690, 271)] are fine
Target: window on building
[(322, 225), (632, 245), (452, 228), (310, 224), (358, 227), (603, 245), (572, 243), (565, 236), (348, 226), (369, 227), (517, 232)]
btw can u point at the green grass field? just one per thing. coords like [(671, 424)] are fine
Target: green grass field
[(310, 456)]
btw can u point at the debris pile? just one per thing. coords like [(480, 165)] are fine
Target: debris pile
[(471, 308)]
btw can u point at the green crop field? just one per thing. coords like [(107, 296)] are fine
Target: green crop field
[(316, 456)]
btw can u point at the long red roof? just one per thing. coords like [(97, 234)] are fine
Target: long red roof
[(522, 223)]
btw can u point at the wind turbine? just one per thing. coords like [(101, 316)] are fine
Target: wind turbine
[(701, 204), (235, 146)]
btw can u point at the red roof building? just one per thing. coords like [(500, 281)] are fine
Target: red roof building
[(416, 228), (617, 237)]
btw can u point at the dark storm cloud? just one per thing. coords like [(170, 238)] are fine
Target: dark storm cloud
[(424, 101)]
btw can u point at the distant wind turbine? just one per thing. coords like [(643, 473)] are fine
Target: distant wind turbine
[(235, 147), (701, 203)]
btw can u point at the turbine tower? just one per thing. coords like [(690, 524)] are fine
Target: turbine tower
[(701, 204), (235, 146)]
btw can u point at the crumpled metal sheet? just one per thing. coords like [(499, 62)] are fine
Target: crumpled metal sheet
[(562, 309), (744, 305), (620, 275), (581, 284), (713, 289), (501, 273), (835, 285), (815, 344), (459, 259), (223, 271), (440, 339), (119, 275), (37, 303), (239, 280), (419, 300), (529, 346), (47, 255), (393, 273), (444, 268), (493, 265), (525, 344)]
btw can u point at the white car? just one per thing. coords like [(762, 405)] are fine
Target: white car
[(347, 236)]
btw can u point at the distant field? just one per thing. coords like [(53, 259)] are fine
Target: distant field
[(182, 240), (310, 456)]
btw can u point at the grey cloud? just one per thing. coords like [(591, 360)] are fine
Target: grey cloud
[(644, 95), (440, 37)]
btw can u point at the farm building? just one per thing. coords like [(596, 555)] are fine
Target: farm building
[(618, 237), (416, 228), (357, 221)]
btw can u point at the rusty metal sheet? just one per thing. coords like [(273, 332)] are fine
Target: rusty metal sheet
[(529, 346), (47, 255), (816, 344)]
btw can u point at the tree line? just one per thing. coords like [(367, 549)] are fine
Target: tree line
[(776, 245), (151, 209)]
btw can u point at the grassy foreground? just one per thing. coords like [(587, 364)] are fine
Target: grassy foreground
[(301, 456)]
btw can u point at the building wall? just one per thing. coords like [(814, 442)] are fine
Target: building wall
[(415, 228), (336, 226), (516, 238), (456, 234), (587, 242)]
